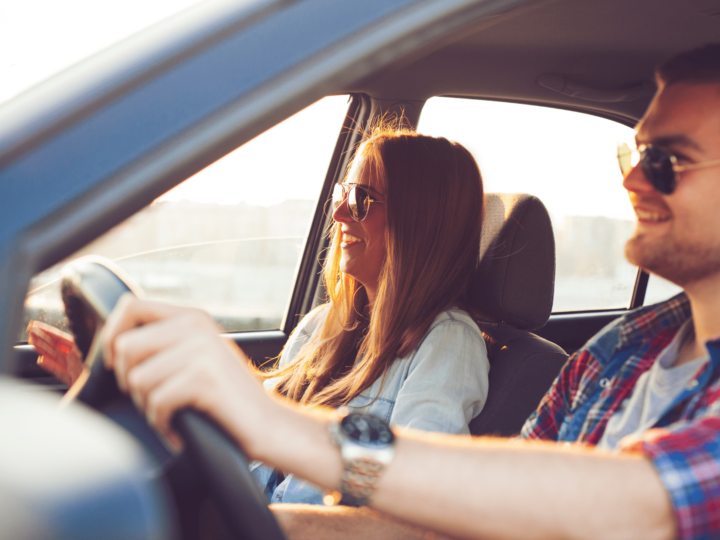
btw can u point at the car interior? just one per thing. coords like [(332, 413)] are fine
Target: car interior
[(595, 58), (572, 56), (514, 287)]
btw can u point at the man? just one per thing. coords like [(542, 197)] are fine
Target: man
[(643, 397)]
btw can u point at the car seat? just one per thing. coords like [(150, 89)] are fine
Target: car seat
[(512, 293)]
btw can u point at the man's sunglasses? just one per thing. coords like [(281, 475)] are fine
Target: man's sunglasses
[(357, 197), (660, 168)]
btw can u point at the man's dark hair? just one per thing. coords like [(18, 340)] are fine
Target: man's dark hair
[(701, 65)]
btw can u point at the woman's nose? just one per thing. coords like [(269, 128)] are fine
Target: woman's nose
[(341, 214)]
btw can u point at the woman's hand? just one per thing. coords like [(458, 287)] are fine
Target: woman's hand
[(169, 358), (59, 355)]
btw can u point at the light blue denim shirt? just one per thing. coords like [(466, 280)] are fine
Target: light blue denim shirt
[(439, 386)]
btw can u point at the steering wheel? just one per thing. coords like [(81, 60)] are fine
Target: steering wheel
[(90, 288)]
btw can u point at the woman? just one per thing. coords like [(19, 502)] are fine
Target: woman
[(393, 339)]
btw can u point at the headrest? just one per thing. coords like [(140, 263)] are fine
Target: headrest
[(515, 280)]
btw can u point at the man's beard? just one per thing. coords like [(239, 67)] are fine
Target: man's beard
[(682, 263)]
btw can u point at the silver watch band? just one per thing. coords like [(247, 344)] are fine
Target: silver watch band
[(360, 478), (363, 464)]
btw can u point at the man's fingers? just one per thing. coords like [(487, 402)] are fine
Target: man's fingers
[(172, 395), (142, 379), (124, 317), (172, 357), (131, 312), (140, 344)]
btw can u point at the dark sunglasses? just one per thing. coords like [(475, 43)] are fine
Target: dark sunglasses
[(357, 197), (660, 168)]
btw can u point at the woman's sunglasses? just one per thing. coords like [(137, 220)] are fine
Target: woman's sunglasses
[(660, 168), (357, 197)]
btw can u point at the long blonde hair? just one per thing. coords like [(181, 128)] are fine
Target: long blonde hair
[(434, 202)]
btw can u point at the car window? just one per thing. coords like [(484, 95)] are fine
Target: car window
[(659, 289), (228, 239), (568, 160)]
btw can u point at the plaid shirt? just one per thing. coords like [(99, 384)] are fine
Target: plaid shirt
[(684, 445)]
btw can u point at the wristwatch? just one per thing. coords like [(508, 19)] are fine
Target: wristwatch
[(367, 446)]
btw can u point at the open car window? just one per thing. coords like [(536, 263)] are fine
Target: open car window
[(659, 290), (568, 160), (228, 239)]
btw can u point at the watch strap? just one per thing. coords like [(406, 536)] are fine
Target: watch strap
[(361, 470), (359, 479)]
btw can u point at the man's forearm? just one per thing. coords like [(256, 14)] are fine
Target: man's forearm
[(311, 522), (496, 488), (491, 488)]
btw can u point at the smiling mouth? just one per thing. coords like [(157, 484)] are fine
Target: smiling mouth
[(349, 240), (651, 217)]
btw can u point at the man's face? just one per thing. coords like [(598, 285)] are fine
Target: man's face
[(677, 236)]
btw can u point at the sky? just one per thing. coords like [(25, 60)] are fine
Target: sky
[(565, 158), (39, 38)]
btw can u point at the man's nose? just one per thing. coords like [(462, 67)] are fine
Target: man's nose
[(637, 182)]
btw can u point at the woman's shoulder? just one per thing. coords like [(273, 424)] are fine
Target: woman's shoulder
[(310, 322), (452, 331), (455, 316)]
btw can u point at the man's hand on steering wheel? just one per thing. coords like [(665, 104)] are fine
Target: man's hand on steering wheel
[(170, 358), (181, 373)]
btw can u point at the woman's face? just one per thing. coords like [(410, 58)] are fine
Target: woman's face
[(363, 242)]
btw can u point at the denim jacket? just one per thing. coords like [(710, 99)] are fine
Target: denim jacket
[(439, 386)]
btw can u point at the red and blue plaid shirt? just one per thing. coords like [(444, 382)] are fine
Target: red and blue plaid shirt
[(684, 446)]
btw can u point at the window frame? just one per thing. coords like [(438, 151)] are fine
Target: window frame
[(308, 287), (637, 296)]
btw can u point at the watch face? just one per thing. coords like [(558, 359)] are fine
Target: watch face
[(367, 429)]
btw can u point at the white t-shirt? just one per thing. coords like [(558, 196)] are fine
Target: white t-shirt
[(655, 391)]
